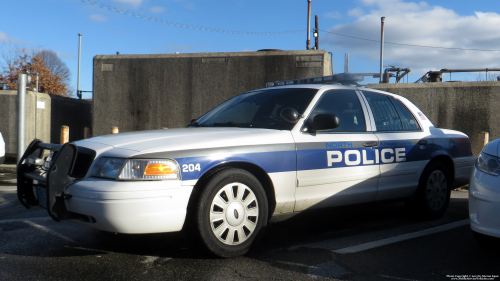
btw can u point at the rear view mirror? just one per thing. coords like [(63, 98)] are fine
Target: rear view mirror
[(290, 115)]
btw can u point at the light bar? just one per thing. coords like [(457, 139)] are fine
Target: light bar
[(330, 79)]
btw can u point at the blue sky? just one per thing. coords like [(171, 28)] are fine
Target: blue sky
[(55, 24)]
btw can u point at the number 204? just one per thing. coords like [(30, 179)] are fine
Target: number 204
[(190, 168)]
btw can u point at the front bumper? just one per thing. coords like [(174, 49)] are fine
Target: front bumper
[(129, 206), (484, 203)]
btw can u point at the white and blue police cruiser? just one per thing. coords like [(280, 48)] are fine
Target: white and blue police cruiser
[(271, 151)]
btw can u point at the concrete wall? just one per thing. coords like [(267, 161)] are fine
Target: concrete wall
[(57, 111), (77, 114), (139, 92), (8, 119), (470, 107)]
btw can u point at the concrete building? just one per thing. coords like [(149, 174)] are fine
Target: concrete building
[(140, 92)]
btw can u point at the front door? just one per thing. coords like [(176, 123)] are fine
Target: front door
[(340, 166)]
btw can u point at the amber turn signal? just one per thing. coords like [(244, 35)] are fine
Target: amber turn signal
[(158, 169)]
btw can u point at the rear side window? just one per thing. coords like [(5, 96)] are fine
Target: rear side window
[(390, 114), (409, 122), (385, 114), (346, 106)]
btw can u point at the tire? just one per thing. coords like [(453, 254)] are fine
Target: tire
[(432, 196), (231, 213)]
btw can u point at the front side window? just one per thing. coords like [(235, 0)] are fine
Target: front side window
[(259, 109), (346, 106)]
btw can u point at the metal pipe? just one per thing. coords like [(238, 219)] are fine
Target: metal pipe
[(79, 60), (36, 105), (469, 70), (382, 20), (346, 63), (308, 24), (21, 115)]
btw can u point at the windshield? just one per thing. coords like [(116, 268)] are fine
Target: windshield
[(258, 109)]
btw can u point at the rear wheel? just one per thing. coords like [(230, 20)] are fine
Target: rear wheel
[(231, 213), (432, 197)]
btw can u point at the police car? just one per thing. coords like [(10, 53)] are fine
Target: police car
[(272, 151)]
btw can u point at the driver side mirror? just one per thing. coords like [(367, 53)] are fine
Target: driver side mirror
[(322, 122)]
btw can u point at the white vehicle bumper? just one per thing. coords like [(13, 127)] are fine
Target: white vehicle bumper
[(484, 203), (129, 206), (2, 149)]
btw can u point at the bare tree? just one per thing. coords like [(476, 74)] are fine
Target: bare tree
[(11, 53), (54, 74), (488, 76), (54, 64), (21, 60)]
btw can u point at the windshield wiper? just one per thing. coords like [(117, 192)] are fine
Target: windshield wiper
[(230, 124), (196, 124)]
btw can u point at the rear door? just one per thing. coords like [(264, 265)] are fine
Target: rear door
[(337, 167), (403, 145)]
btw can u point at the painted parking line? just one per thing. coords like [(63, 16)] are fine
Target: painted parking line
[(30, 221), (399, 238), (52, 232), (26, 219)]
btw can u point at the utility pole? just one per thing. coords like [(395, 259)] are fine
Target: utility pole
[(308, 24), (316, 34), (79, 60), (382, 19)]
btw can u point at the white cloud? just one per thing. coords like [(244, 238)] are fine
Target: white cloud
[(421, 24), (134, 3), (3, 37), (157, 9), (65, 54), (187, 4), (97, 18), (333, 15), (6, 39), (356, 12), (178, 48)]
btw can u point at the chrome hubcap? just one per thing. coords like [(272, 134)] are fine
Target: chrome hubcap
[(234, 213), (437, 190)]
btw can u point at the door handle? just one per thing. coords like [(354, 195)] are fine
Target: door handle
[(370, 143), (422, 142)]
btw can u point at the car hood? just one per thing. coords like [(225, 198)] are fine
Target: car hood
[(492, 148), (142, 142)]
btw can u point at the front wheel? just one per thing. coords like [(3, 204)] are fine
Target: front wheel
[(432, 197), (231, 213)]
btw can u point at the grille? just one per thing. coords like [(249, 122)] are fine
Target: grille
[(83, 161)]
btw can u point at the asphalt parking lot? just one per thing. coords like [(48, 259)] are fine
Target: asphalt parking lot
[(363, 243)]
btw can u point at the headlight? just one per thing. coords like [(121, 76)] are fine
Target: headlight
[(108, 167), (488, 164), (123, 169)]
